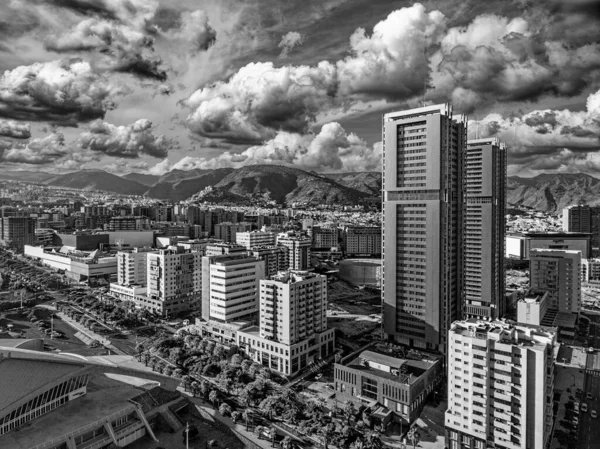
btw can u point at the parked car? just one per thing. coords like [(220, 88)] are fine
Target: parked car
[(594, 414), (584, 407), (576, 421)]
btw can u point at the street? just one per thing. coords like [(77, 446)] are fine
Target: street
[(589, 428)]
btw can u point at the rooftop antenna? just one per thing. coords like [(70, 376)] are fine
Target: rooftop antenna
[(425, 77)]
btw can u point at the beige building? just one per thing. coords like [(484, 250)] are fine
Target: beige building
[(292, 332), (174, 281), (484, 229), (500, 385), (422, 223)]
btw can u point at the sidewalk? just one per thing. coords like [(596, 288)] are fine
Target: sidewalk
[(88, 333)]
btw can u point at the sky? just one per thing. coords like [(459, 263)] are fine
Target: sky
[(150, 86)]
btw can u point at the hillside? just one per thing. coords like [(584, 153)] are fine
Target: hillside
[(366, 182), (147, 180), (26, 176), (179, 187), (553, 192), (98, 180)]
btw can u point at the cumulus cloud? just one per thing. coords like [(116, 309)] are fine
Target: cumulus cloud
[(16, 130), (160, 168), (129, 141), (38, 151), (332, 149), (63, 92), (126, 166), (288, 42), (559, 140), (260, 99)]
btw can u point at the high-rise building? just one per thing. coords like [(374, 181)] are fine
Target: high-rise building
[(583, 218), (292, 333), (230, 287), (422, 224), (484, 229), (275, 258), (132, 266), (559, 273), (500, 385), (325, 237), (174, 281), (16, 232), (250, 239), (298, 246), (227, 231)]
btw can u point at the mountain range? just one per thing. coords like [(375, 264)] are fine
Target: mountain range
[(286, 185)]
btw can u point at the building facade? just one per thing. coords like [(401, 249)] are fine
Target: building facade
[(132, 266), (251, 239), (422, 224), (559, 273), (275, 258), (16, 232), (174, 281), (292, 332), (484, 229), (583, 218), (362, 241), (500, 385), (298, 246), (325, 237)]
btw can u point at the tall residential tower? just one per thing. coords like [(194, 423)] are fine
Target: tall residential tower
[(422, 224)]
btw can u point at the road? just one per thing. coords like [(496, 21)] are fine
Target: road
[(589, 428)]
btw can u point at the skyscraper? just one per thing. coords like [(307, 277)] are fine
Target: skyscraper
[(583, 218), (484, 229), (422, 222)]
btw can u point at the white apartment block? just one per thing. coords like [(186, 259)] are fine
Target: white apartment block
[(250, 239), (230, 287), (174, 280), (558, 272), (132, 266), (298, 246), (590, 271), (292, 332), (500, 385)]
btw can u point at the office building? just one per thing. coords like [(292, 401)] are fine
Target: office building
[(230, 287), (16, 232), (559, 273), (532, 309), (400, 385), (128, 223), (250, 239), (298, 246), (227, 231), (484, 227), (174, 281), (590, 271), (362, 241), (132, 266), (274, 257), (583, 218), (519, 245), (292, 332), (422, 224), (218, 248), (500, 385), (325, 237)]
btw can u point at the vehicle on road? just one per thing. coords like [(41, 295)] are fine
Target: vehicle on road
[(589, 396), (318, 376), (594, 414), (576, 407), (584, 407), (575, 421)]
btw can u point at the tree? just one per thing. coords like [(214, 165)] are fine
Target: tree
[(186, 382), (247, 415), (213, 397), (195, 386), (349, 410), (286, 443), (236, 416), (225, 409)]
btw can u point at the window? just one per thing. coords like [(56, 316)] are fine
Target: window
[(369, 388)]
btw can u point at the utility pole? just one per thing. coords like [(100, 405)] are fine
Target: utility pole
[(187, 435), (52, 327)]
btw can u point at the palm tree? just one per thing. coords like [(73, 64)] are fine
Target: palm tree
[(213, 397), (225, 409), (195, 388), (247, 415)]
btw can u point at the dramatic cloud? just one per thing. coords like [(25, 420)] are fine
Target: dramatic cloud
[(260, 99), (559, 140), (16, 130), (332, 149), (38, 151), (289, 41), (129, 141), (62, 92)]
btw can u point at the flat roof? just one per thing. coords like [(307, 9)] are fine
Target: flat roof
[(593, 361)]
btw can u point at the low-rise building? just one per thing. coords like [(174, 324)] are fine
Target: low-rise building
[(251, 239)]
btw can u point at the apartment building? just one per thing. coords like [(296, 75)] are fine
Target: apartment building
[(129, 223), (583, 218), (559, 273), (292, 332), (251, 239), (298, 246), (174, 281), (220, 248), (16, 232), (132, 266), (275, 258), (230, 285), (484, 229), (422, 224), (362, 241), (227, 231), (500, 385), (325, 237)]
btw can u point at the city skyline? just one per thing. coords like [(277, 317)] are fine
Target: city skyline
[(148, 86)]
